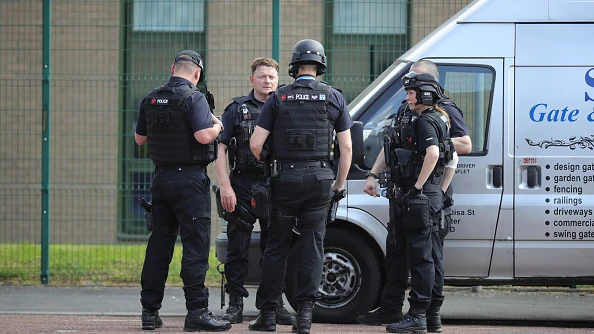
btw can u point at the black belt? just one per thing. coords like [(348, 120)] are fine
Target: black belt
[(301, 164), (179, 167)]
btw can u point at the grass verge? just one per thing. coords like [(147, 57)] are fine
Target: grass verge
[(73, 264)]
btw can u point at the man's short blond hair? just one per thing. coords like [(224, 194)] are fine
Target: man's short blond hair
[(264, 61)]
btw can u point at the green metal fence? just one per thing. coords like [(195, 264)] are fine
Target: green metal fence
[(72, 74)]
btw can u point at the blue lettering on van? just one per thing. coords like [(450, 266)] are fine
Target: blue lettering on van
[(590, 82), (553, 115)]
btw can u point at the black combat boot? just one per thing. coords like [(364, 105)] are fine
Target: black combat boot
[(302, 324), (265, 322), (283, 317), (433, 317), (414, 321), (202, 320), (234, 313), (151, 320), (380, 316)]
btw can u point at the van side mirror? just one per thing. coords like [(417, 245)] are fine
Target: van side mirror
[(357, 139)]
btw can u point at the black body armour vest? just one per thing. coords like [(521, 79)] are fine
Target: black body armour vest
[(241, 158), (445, 144), (170, 136), (302, 130), (406, 161)]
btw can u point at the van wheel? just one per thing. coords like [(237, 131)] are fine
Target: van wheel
[(351, 278)]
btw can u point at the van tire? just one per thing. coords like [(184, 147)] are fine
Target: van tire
[(344, 251)]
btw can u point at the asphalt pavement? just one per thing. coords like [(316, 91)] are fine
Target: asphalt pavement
[(462, 303)]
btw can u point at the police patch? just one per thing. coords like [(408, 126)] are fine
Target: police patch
[(159, 101), (318, 97), (304, 97), (289, 97)]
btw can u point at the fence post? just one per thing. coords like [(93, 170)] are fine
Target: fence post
[(45, 146), (276, 30)]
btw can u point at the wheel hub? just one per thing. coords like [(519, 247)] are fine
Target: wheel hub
[(340, 280)]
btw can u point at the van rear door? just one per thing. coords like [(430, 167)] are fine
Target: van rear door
[(475, 85)]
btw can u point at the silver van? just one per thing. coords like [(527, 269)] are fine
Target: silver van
[(523, 74)]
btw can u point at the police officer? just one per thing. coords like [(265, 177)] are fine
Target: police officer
[(239, 121), (176, 122), (301, 118), (393, 294), (459, 135), (416, 157)]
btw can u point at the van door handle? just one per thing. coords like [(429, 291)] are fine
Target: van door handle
[(497, 176), (532, 176)]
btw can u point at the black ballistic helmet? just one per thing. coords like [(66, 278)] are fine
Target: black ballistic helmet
[(194, 58), (307, 51), (427, 87)]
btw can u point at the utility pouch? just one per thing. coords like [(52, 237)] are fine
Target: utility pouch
[(403, 166), (261, 199), (211, 153), (416, 212)]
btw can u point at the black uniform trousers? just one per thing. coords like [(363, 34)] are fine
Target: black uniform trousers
[(411, 250), (303, 194), (438, 241), (239, 237), (181, 202)]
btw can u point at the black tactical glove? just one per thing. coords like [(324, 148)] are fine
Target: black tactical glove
[(412, 193), (448, 201)]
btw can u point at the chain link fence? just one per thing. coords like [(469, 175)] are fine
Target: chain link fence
[(73, 72)]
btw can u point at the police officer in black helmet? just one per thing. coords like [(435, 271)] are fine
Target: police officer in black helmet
[(393, 294), (176, 122), (239, 120), (301, 118), (416, 157)]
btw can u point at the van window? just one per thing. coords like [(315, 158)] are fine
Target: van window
[(469, 86)]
